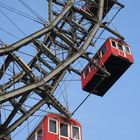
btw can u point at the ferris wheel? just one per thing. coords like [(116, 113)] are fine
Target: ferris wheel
[(50, 50)]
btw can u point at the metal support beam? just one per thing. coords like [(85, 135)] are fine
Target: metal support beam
[(94, 20), (23, 65), (58, 3), (56, 104), (45, 50), (5, 65), (20, 75), (64, 37), (50, 16), (14, 103), (75, 71), (79, 27), (44, 94), (112, 31), (18, 122), (13, 113), (61, 45), (45, 63), (16, 79), (30, 38), (20, 91), (40, 69)]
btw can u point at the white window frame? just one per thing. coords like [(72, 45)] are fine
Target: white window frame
[(115, 44), (38, 130), (84, 74), (36, 133), (68, 130), (101, 51), (122, 47), (79, 132), (128, 48), (56, 126), (90, 69)]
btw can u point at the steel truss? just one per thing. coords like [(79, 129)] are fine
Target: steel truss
[(60, 33)]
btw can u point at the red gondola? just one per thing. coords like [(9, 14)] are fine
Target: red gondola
[(57, 127), (115, 55)]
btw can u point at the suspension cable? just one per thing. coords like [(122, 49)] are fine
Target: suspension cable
[(12, 22), (33, 12), (16, 11), (80, 104)]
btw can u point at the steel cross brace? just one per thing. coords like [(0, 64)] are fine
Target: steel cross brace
[(22, 90), (16, 79), (41, 91), (18, 122), (30, 38)]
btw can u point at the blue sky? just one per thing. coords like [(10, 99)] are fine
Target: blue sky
[(116, 115)]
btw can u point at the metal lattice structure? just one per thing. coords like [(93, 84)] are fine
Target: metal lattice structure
[(70, 30)]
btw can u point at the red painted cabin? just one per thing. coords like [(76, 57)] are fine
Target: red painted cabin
[(116, 56), (57, 127)]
